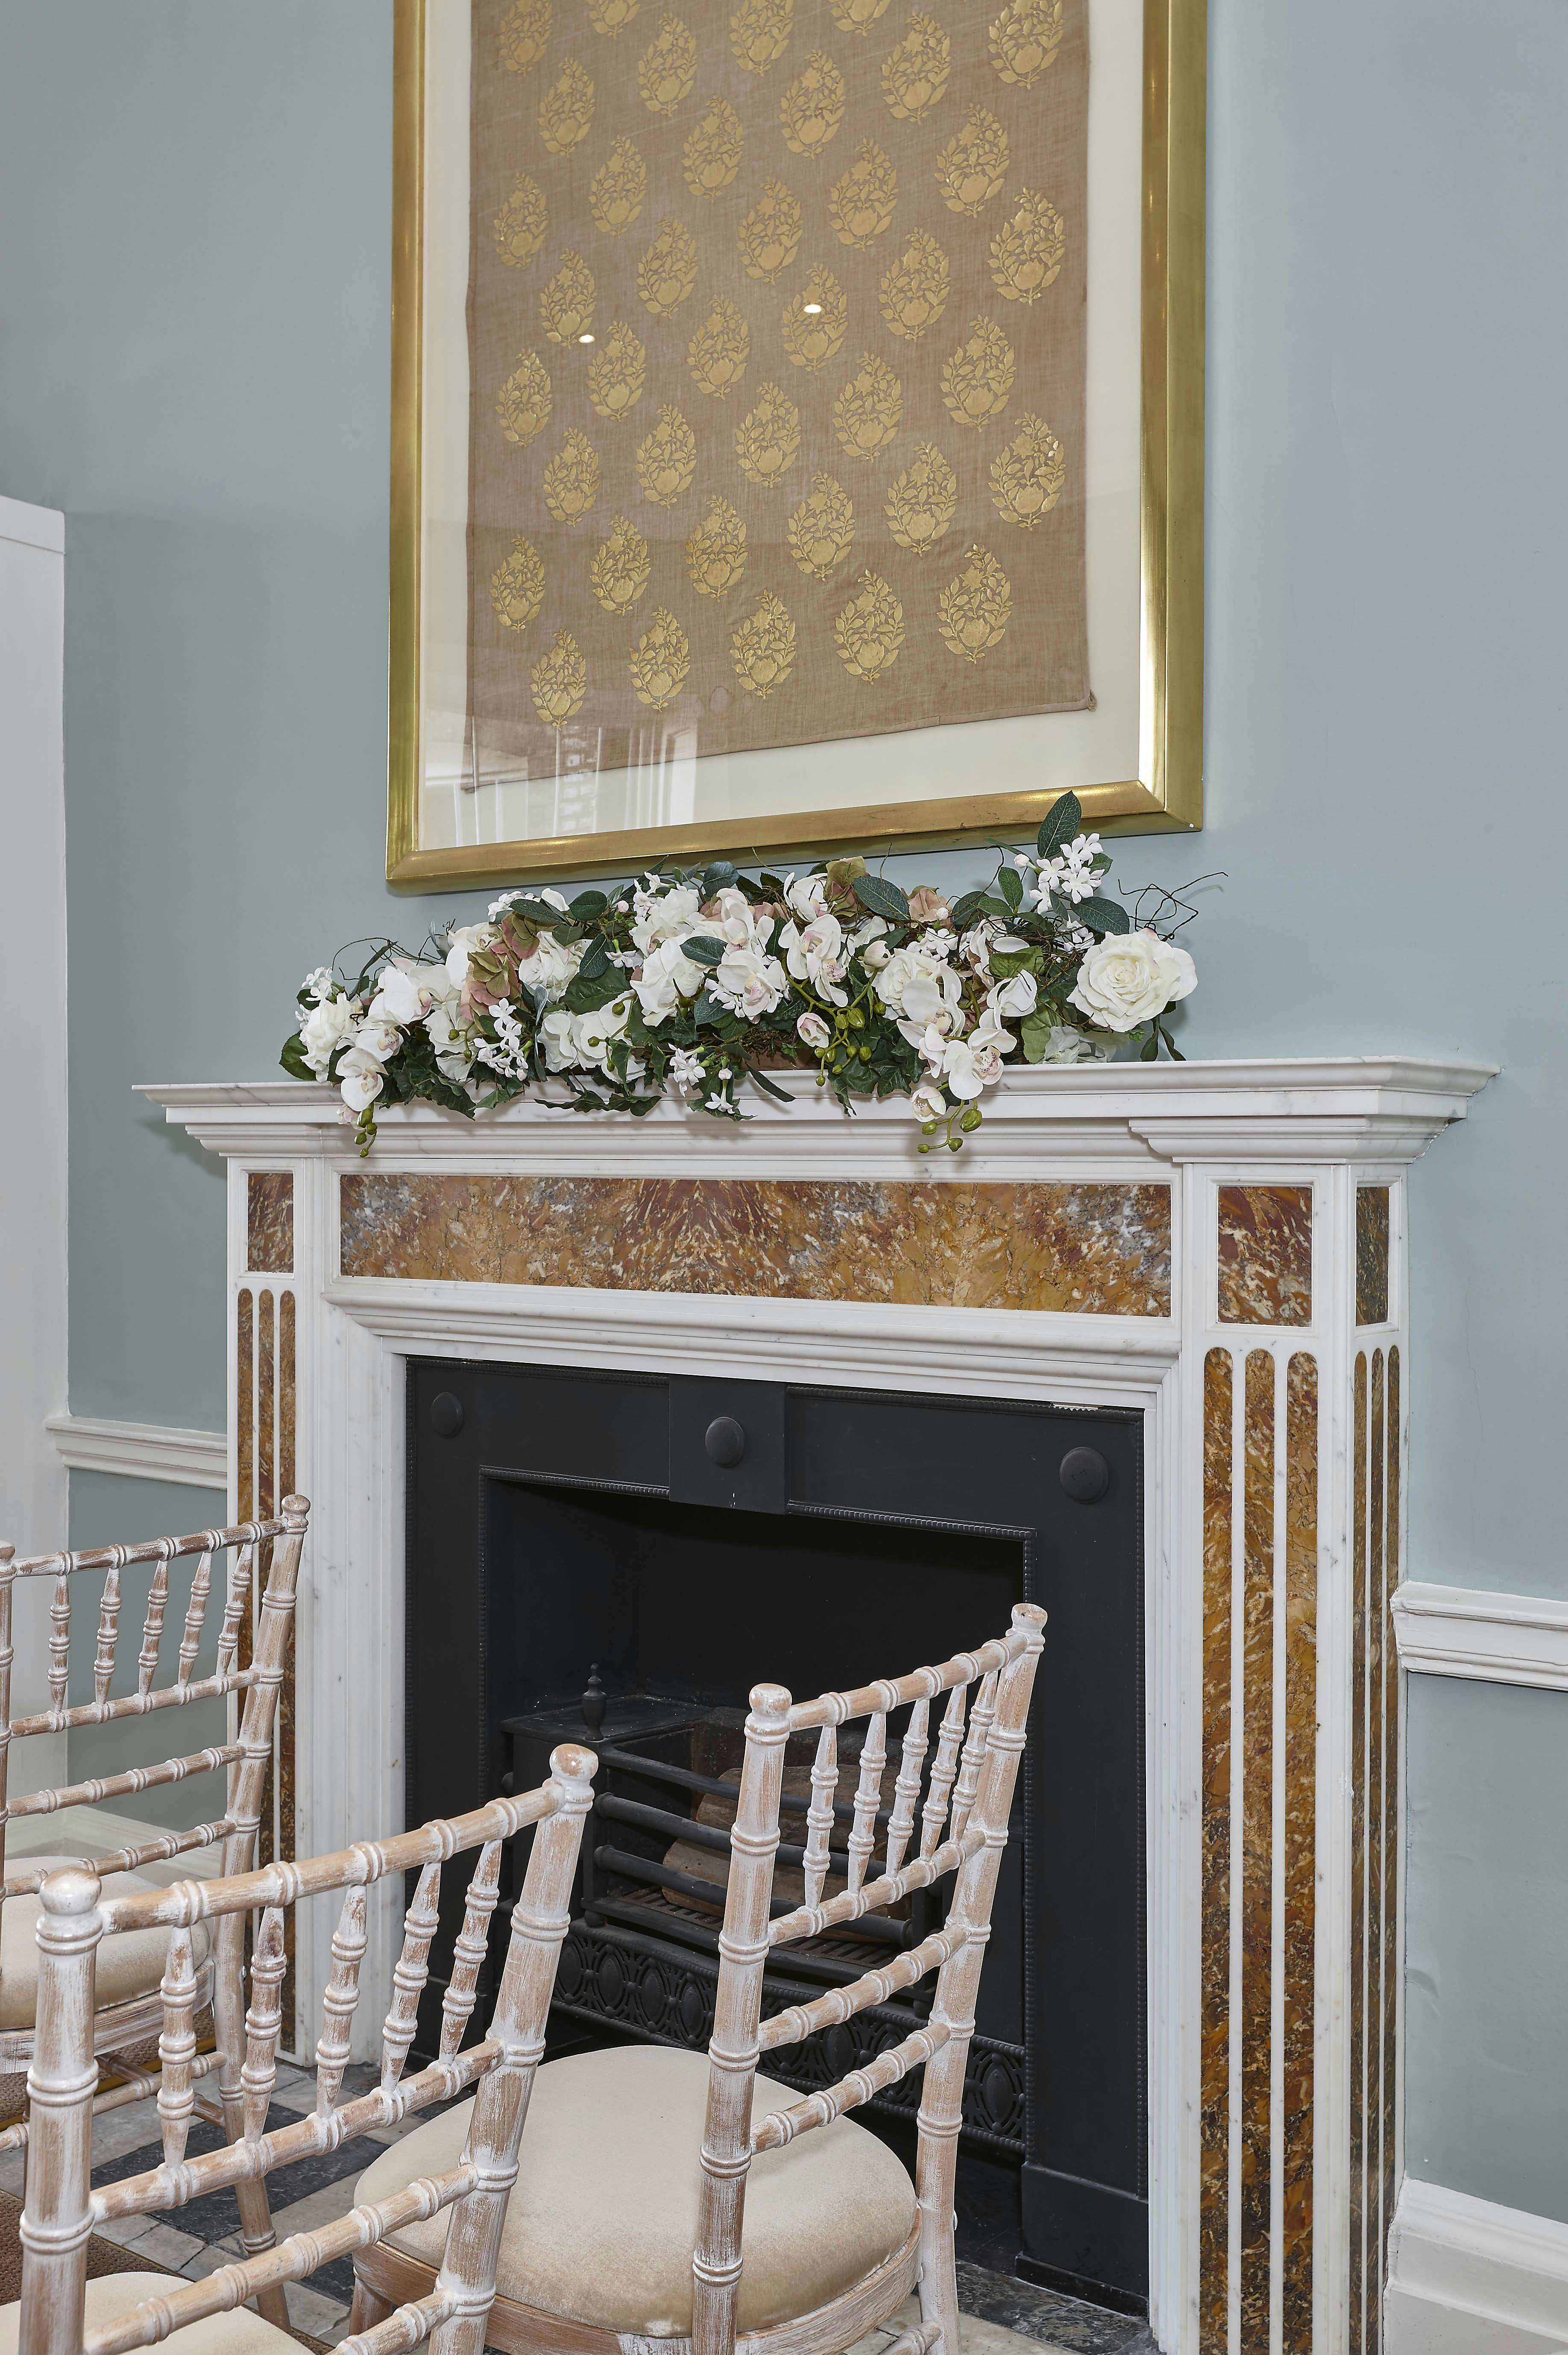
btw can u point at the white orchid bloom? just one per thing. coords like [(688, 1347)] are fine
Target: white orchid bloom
[(399, 999), (361, 1079), (1014, 998), (815, 952), (325, 1028), (557, 1035), (808, 897), (465, 940), (665, 978), (814, 1032), (748, 981), (669, 913)]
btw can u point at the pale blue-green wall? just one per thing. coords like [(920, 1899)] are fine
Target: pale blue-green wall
[(194, 235)]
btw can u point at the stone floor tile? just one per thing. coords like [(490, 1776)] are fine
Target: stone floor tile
[(308, 2310), (13, 2171), (124, 2230), (163, 2245)]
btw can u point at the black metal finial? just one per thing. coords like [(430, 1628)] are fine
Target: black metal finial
[(594, 1702)]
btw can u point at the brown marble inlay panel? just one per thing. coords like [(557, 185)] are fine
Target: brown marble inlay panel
[(1377, 1961), (1095, 1250), (1371, 1254), (1257, 1852), (244, 1408), (1215, 2197), (1358, 2267), (1390, 1808), (1266, 1254), (283, 1730), (1300, 1861), (266, 1409), (269, 1222)]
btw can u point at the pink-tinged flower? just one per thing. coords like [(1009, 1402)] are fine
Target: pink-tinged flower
[(815, 1033), (928, 907)]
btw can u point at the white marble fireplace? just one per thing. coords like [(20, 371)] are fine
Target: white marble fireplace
[(1217, 1246)]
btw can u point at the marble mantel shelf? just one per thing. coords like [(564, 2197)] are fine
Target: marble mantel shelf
[(1220, 1248), (1357, 1108)]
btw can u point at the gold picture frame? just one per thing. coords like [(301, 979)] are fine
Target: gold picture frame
[(1166, 795)]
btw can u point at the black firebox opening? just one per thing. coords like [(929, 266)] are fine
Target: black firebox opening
[(689, 1538)]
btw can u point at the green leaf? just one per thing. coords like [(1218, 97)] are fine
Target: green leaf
[(1150, 1048), (997, 908), (962, 910), (718, 878), (707, 1009), (1010, 884), (293, 1058), (542, 914), (596, 961), (587, 905), (769, 1088), (1005, 962), (703, 950), (1103, 916), (585, 992), (1034, 1034), (1061, 821), (881, 897)]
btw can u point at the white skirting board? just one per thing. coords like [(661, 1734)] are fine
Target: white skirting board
[(1467, 2277), (142, 1450)]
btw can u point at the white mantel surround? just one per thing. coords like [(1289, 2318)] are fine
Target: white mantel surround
[(1327, 1125)]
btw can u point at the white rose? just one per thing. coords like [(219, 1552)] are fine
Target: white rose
[(1014, 998), (398, 999), (813, 1031), (466, 939), (665, 978), (558, 1034), (1129, 977), (552, 964), (748, 981), (324, 1030)]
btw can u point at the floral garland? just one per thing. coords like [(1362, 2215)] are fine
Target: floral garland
[(698, 978)]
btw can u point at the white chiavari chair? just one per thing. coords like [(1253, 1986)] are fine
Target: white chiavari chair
[(664, 2195), (63, 2313)]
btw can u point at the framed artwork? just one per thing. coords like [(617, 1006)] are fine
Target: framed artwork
[(797, 427)]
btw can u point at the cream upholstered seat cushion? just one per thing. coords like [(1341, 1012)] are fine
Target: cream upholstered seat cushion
[(601, 2223), (111, 2294), (130, 1964)]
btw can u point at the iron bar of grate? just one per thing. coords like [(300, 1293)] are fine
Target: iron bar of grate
[(684, 1779)]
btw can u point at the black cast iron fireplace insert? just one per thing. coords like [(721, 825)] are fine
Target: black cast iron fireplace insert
[(686, 1538)]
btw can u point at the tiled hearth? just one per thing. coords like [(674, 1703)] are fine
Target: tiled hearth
[(1220, 1247)]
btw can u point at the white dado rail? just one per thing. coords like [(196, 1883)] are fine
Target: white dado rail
[(1220, 1245)]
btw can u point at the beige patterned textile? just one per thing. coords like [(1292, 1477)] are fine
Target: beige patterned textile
[(776, 341)]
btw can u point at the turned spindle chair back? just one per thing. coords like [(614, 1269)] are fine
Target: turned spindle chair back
[(247, 1673), (61, 2207), (959, 1829)]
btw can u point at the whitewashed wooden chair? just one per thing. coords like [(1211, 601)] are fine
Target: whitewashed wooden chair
[(247, 1673), (626, 2222), (63, 2313)]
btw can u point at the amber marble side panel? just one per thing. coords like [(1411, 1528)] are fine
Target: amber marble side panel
[(1392, 1947), (245, 1407), (1214, 2196), (269, 1222), (284, 1728), (1376, 1768), (1266, 1254), (1257, 1853), (1371, 1254), (1093, 1250), (1300, 1861), (1358, 2267)]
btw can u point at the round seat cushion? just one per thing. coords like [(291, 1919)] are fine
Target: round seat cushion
[(602, 2221), (130, 1964), (111, 2294)]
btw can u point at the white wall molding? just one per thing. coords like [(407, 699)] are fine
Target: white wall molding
[(1467, 2277), (142, 1450), (1502, 1639)]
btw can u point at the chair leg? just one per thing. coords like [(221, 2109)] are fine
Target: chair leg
[(256, 2233), (367, 2309), (937, 2170)]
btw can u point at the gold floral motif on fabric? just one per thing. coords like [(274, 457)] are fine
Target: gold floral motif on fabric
[(1028, 476), (1027, 251), (917, 71), (616, 372), (863, 200), (759, 33), (516, 586), (762, 646), (667, 460), (571, 478), (660, 661), (973, 611), (821, 530), (616, 191), (558, 681), (868, 412), (923, 500), (718, 353), (978, 379), (1025, 38), (566, 110), (869, 630), (619, 571), (524, 401), (668, 270), (521, 223), (812, 108), (913, 291), (711, 155), (767, 439), (815, 321), (769, 236), (857, 16), (526, 29), (566, 301), (666, 71), (971, 168), (716, 552), (611, 17)]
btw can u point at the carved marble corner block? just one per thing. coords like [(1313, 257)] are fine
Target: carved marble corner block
[(1220, 1247)]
